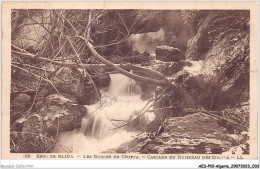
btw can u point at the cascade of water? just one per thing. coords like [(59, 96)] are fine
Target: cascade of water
[(117, 106), (123, 86)]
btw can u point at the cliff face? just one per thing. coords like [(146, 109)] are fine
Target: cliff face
[(218, 41), (222, 44)]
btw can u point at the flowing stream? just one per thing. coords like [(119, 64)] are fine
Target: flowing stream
[(102, 128)]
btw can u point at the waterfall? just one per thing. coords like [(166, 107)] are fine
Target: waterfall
[(101, 128), (121, 86)]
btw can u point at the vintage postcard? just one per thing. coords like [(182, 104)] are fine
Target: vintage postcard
[(129, 80)]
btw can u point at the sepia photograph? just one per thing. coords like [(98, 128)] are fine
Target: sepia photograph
[(129, 81)]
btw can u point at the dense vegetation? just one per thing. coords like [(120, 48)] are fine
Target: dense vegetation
[(61, 58)]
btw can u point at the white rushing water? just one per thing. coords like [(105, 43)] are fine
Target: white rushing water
[(98, 132)]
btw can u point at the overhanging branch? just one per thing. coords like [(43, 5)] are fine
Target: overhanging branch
[(126, 73)]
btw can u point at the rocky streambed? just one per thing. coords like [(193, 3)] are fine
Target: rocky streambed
[(194, 133)]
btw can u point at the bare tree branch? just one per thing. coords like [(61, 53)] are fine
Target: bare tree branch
[(124, 72), (37, 76)]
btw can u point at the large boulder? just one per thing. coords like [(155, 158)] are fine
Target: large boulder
[(194, 133), (187, 135), (61, 113), (102, 79), (72, 82), (168, 54)]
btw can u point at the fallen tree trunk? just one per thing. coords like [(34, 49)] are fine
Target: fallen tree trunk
[(162, 82)]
